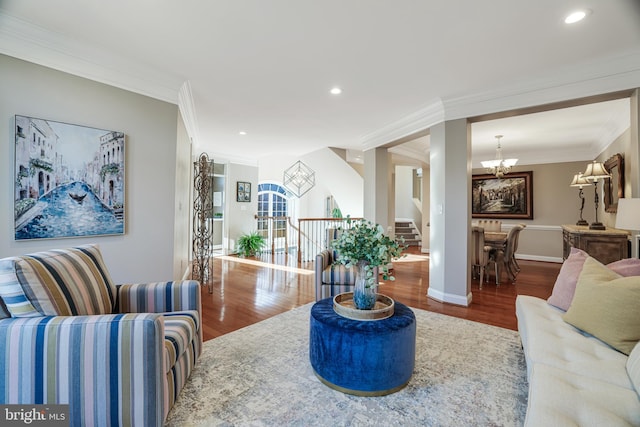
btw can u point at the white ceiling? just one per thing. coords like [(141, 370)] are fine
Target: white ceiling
[(266, 66)]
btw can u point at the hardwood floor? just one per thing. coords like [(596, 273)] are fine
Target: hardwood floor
[(246, 291)]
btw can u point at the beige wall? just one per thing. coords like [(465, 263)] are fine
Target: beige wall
[(146, 251), (554, 203)]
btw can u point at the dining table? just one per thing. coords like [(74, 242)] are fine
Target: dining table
[(498, 241)]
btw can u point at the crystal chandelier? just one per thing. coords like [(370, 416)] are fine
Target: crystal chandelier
[(499, 167)]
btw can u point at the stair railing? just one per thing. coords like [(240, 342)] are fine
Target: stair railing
[(312, 235)]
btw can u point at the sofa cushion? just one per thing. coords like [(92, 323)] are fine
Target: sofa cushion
[(339, 274), (606, 305), (549, 340), (63, 282), (633, 368), (562, 398), (565, 285)]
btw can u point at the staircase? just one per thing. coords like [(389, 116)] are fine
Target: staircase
[(408, 230)]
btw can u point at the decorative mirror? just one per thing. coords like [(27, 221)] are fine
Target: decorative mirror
[(614, 186)]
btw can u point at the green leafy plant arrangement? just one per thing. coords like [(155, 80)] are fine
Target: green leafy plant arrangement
[(250, 244), (365, 241)]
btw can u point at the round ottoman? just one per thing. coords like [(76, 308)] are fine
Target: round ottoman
[(365, 358)]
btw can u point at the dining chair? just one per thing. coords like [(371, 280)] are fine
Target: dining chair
[(509, 259), (490, 224), (480, 253), (515, 248)]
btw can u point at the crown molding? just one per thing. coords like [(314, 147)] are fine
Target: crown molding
[(606, 75), (23, 40), (188, 111), (406, 126)]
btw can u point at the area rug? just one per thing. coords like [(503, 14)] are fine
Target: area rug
[(466, 374)]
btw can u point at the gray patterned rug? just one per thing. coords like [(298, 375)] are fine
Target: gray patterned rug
[(466, 374)]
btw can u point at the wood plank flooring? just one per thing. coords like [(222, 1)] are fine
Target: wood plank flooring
[(246, 291)]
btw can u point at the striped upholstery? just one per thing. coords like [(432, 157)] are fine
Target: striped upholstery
[(339, 274), (158, 297), (123, 367), (63, 282), (333, 279), (108, 368), (13, 297)]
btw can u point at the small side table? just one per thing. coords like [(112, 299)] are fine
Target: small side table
[(365, 358)]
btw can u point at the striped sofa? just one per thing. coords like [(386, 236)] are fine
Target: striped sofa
[(117, 355)]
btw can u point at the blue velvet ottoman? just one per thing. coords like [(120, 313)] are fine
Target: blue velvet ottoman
[(365, 358)]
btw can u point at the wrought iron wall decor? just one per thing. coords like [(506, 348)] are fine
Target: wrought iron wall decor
[(299, 178), (202, 244)]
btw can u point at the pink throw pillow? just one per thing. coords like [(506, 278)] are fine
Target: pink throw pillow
[(565, 285), (626, 267)]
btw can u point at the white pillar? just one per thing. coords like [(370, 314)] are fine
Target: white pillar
[(378, 187), (450, 188)]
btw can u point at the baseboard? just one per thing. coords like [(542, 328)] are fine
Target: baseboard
[(539, 258), (449, 298)]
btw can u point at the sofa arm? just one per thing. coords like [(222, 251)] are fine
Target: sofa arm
[(323, 260), (109, 369), (159, 297)]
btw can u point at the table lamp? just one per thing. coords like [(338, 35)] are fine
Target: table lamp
[(593, 173), (628, 218), (580, 181)]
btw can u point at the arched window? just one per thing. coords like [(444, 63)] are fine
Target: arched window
[(273, 200)]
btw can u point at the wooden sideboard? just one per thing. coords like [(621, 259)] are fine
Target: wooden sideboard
[(604, 245)]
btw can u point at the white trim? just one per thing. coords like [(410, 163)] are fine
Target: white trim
[(605, 75), (188, 110), (417, 121), (23, 40), (450, 298), (539, 258), (535, 227)]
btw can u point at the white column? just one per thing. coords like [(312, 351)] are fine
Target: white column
[(378, 192), (450, 188)]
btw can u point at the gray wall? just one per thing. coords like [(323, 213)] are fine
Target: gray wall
[(146, 251), (241, 215)]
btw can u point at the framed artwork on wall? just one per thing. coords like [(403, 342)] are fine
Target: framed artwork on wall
[(69, 180), (243, 190), (509, 197)]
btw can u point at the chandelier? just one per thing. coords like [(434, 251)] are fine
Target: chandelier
[(499, 167), (299, 178)]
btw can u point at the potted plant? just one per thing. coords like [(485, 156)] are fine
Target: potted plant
[(364, 246), (250, 244)]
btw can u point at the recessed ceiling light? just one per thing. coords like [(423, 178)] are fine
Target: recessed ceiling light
[(242, 132), (576, 16), (335, 91)]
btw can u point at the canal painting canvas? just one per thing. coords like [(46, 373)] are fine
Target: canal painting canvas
[(69, 180)]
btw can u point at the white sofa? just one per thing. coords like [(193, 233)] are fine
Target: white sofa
[(574, 378)]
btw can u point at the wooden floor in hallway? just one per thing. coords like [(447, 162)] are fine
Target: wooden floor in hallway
[(248, 290)]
